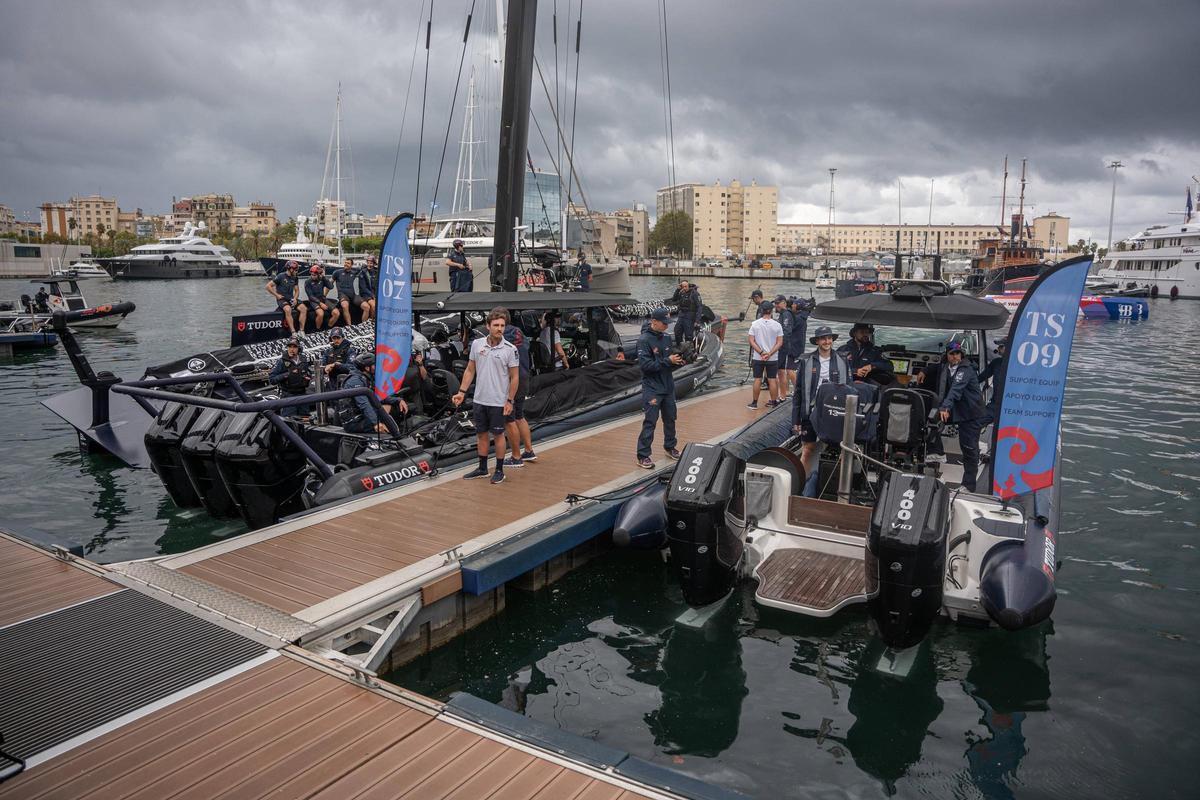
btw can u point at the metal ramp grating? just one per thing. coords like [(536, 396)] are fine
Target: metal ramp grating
[(212, 598), (71, 671)]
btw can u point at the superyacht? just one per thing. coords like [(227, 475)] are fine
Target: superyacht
[(188, 255), (1165, 259)]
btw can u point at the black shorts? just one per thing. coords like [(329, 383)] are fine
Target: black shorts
[(488, 419), (279, 304), (518, 410), (316, 304), (771, 367), (355, 300), (783, 359), (792, 363)]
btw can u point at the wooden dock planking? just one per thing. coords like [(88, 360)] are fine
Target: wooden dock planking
[(288, 729), (299, 568), (821, 581), (34, 582)]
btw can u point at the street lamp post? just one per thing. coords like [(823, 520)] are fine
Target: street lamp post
[(1114, 166)]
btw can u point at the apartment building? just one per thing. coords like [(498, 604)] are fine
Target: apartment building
[(1053, 233), (632, 229), (254, 217), (8, 220), (843, 239), (733, 220), (327, 216)]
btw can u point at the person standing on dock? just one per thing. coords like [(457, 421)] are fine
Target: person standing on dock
[(496, 363), (461, 279), (658, 387), (820, 366), (285, 288), (766, 338), (787, 322)]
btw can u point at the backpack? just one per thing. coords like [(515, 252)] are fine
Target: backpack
[(829, 412)]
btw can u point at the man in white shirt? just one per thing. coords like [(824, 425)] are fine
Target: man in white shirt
[(495, 361), (552, 339), (766, 337)]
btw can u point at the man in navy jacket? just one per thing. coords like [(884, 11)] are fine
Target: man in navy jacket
[(658, 386), (962, 404)]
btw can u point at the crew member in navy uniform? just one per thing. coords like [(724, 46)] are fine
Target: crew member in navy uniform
[(584, 271), (291, 374), (368, 285), (358, 415), (315, 289), (346, 279), (997, 372), (800, 311), (658, 386), (865, 358), (285, 288), (339, 355), (962, 404), (822, 365), (496, 363), (461, 279), (783, 316), (516, 427), (41, 300), (688, 298)]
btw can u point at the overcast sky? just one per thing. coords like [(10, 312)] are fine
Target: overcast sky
[(148, 100)]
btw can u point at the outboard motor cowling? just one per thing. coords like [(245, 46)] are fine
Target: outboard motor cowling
[(163, 439), (704, 551), (196, 452), (906, 557), (262, 471)]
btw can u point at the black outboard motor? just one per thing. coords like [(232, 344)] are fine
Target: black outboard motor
[(263, 472), (163, 439), (906, 557), (196, 452), (704, 551)]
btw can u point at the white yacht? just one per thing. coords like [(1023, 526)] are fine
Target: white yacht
[(1165, 259), (187, 255), (80, 270), (478, 235), (303, 250)]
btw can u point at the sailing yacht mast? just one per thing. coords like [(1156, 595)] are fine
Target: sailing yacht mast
[(514, 137), (338, 176)]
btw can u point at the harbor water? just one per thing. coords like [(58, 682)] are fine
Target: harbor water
[(1100, 702)]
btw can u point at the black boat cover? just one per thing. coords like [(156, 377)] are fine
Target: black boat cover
[(559, 391), (916, 305), (515, 301)]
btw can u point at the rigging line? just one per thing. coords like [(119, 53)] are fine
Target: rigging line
[(662, 75), (453, 101), (670, 105), (557, 89), (424, 98), (575, 100), (404, 114), (570, 157)]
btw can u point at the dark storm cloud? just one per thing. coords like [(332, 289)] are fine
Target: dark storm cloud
[(149, 100)]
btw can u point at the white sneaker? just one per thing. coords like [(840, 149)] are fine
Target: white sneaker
[(935, 458)]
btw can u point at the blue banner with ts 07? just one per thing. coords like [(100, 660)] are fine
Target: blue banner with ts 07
[(393, 323), (1025, 440)]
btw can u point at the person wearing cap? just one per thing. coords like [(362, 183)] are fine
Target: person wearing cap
[(822, 365), (800, 310), (337, 358), (865, 358), (516, 427), (368, 284), (357, 413), (687, 297), (292, 373), (461, 279), (766, 338), (285, 288), (961, 404), (583, 270), (496, 362), (316, 288), (658, 387), (346, 280), (783, 316), (996, 371)]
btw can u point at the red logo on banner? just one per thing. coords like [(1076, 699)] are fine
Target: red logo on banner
[(241, 326)]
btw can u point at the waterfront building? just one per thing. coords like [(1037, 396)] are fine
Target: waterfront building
[(254, 217), (34, 260), (632, 228), (328, 215), (214, 210), (1052, 232), (56, 219), (849, 239), (94, 214), (8, 221), (127, 221), (733, 220), (541, 209)]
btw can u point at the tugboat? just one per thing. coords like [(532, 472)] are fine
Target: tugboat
[(891, 528)]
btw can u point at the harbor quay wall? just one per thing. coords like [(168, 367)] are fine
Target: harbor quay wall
[(688, 271)]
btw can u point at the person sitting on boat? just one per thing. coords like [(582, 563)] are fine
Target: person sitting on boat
[(658, 387), (368, 283), (688, 298), (41, 301), (783, 315), (961, 403), (822, 365), (996, 371), (766, 337), (584, 272), (338, 357), (285, 288), (516, 427), (496, 363), (292, 373), (418, 378), (316, 288), (865, 358), (461, 279), (552, 340), (346, 280), (358, 415)]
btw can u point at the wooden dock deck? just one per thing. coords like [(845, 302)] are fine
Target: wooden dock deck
[(317, 566), (35, 582)]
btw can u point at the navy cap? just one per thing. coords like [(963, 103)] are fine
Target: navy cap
[(1002, 342), (954, 347), (780, 298), (336, 332), (660, 315), (756, 293), (293, 341), (765, 308)]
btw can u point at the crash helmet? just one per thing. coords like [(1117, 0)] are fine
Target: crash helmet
[(457, 242), (291, 265), (364, 360), (315, 270)]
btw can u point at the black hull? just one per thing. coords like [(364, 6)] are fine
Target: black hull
[(992, 281), (166, 270)]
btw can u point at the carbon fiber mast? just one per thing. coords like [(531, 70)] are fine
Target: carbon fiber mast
[(514, 136)]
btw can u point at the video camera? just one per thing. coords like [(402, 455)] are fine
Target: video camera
[(686, 351), (805, 304)]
